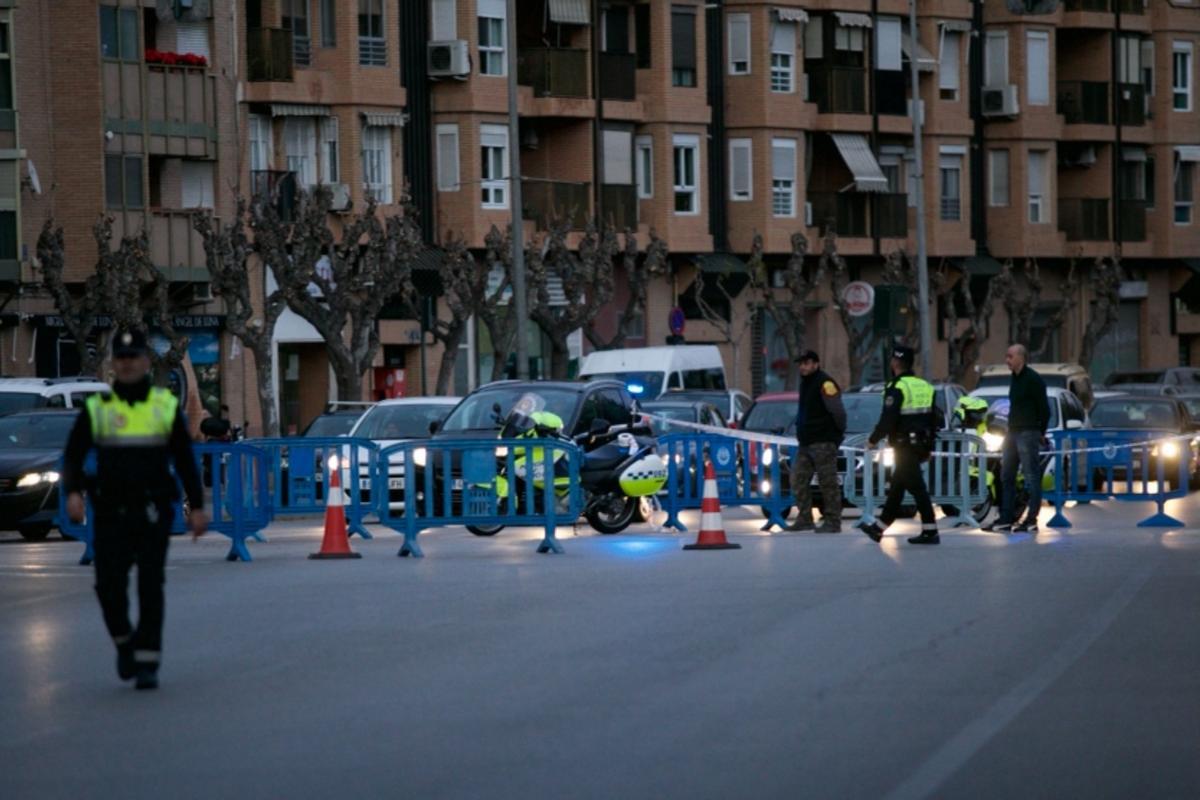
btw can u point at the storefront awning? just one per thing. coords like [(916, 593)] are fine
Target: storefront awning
[(569, 12), (868, 177), (298, 110), (849, 19), (925, 60), (791, 14), (385, 119), (1188, 152)]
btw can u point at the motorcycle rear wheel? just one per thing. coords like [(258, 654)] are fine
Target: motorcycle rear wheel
[(607, 522), (485, 530)]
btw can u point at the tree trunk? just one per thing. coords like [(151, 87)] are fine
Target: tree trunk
[(450, 342), (560, 358), (265, 377)]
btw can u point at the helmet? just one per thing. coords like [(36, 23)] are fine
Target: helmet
[(970, 412), (997, 417)]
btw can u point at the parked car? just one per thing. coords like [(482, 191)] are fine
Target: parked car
[(390, 422), (27, 394), (1056, 375), (1066, 410), (337, 421), (31, 444), (733, 403), (945, 396), (695, 411), (1167, 416), (1181, 378)]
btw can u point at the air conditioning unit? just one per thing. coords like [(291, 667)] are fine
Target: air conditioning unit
[(808, 214), (448, 59), (1001, 101), (202, 292), (339, 197)]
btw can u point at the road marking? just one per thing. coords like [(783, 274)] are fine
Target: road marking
[(952, 755)]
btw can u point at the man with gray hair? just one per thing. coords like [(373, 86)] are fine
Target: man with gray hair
[(1028, 418)]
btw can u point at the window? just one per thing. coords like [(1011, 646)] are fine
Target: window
[(1131, 178), (1148, 68), (1037, 68), (1036, 178), (614, 30), (1184, 175), (1181, 76), (1129, 59), (641, 34), (372, 46), (447, 156), (443, 20), (494, 152), (683, 46), (687, 187), (119, 33), (889, 164), (9, 235), (197, 189), (783, 56), (377, 162), (739, 44), (612, 407), (617, 146), (294, 17), (998, 178), (328, 23), (6, 82), (491, 37), (814, 37), (123, 181), (260, 143), (783, 177), (741, 176), (950, 167), (995, 59), (330, 166), (948, 65), (645, 167), (846, 38), (887, 44), (300, 145)]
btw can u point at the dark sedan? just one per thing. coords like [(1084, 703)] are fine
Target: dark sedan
[(31, 445), (697, 411)]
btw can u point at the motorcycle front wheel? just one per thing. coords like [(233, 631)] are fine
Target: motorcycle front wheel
[(612, 514), (485, 530)]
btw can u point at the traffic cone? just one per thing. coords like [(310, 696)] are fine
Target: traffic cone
[(336, 543), (712, 527)]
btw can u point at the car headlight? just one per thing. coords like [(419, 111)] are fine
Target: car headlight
[(886, 455), (334, 462), (1169, 450), (420, 456), (993, 442), (768, 456), (765, 487), (37, 478), (678, 459), (501, 452)]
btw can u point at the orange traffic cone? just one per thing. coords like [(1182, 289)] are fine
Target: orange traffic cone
[(336, 543), (712, 527)]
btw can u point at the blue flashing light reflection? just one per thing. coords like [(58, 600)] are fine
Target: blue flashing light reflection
[(637, 547), (635, 388)]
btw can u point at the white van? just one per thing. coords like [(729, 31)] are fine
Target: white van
[(650, 372)]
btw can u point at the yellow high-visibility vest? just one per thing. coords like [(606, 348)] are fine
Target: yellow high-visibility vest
[(116, 423)]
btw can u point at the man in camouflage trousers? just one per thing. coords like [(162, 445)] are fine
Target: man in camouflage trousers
[(820, 426)]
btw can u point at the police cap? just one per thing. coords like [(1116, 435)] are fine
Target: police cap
[(128, 344), (808, 355), (905, 355)]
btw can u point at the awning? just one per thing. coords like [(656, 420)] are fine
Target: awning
[(925, 60), (791, 14), (850, 20), (569, 12), (981, 266), (1133, 154), (1188, 152), (868, 177), (721, 264), (385, 119), (298, 110), (959, 25)]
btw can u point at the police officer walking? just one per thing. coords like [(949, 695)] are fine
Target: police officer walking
[(820, 426), (136, 431), (908, 423)]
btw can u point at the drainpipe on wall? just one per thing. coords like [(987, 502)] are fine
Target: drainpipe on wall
[(979, 231), (598, 125), (718, 219), (1116, 102), (872, 63)]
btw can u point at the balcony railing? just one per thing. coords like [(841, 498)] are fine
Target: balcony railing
[(1131, 104), (269, 54), (846, 211), (1131, 220), (891, 215), (553, 72), (279, 188), (1086, 5), (301, 50), (175, 246), (620, 205), (1083, 102), (1083, 219), (544, 201), (838, 90), (372, 51), (618, 76)]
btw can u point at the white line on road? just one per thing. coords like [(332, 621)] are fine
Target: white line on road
[(952, 755)]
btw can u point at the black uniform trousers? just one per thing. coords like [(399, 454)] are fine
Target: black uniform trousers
[(124, 537), (907, 477)]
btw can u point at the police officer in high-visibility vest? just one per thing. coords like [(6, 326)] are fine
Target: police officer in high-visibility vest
[(137, 431), (908, 423)]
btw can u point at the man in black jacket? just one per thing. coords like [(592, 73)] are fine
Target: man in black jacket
[(820, 426), (1028, 418)]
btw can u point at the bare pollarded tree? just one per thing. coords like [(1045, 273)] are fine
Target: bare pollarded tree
[(861, 339), (1104, 279), (787, 305), (640, 272)]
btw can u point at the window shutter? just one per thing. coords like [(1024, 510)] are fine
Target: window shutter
[(618, 157), (447, 156), (783, 160), (1036, 174), (948, 64), (739, 39), (814, 43), (783, 37), (740, 169), (197, 184), (442, 21), (683, 37), (192, 37), (1037, 87), (497, 9), (996, 59), (998, 178), (887, 43)]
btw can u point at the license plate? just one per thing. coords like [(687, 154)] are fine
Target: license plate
[(395, 483), (457, 484), (814, 481), (364, 484)]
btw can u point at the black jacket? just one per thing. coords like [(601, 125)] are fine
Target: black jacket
[(820, 415), (1029, 405)]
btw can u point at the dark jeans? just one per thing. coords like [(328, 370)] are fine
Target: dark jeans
[(907, 477), (1020, 447), (121, 541)]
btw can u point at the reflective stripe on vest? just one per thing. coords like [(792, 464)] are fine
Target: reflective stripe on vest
[(918, 395), (116, 423)]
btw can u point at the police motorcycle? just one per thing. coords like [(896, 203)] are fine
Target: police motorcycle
[(971, 416), (620, 466)]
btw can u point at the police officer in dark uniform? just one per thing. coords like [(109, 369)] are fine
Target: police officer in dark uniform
[(137, 430), (820, 426), (908, 423)]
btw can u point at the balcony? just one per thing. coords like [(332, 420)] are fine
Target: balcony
[(1083, 102), (301, 50), (544, 201), (1131, 104), (269, 54), (181, 106), (1084, 219), (1131, 220), (175, 246), (279, 188), (553, 72), (838, 90), (620, 205), (891, 216), (845, 211), (618, 76)]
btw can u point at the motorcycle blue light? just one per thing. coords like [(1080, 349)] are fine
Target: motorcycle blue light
[(635, 388)]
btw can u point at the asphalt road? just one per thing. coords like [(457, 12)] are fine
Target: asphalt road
[(1063, 665)]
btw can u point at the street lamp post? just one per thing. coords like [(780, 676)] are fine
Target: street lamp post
[(514, 195), (925, 328)]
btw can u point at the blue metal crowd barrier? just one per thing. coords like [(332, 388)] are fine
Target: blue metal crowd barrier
[(472, 469), (1088, 464), (747, 473), (299, 476)]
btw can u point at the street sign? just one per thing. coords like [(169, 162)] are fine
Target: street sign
[(676, 321), (858, 298)]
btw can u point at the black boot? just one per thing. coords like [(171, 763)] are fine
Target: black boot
[(126, 668), (872, 530), (926, 537), (147, 678)]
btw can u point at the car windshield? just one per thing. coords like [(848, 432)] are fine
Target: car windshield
[(1053, 380), (332, 425), (771, 416), (862, 411), (1134, 377), (999, 402), (1193, 406), (1134, 414), (683, 413), (407, 421), (476, 414), (647, 385), (19, 401), (35, 431)]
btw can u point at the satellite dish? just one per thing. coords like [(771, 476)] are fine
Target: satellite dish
[(34, 183)]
